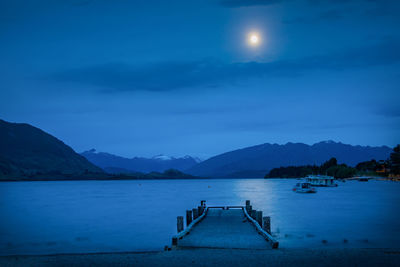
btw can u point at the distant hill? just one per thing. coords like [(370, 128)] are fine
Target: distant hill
[(116, 164), (256, 161), (28, 151)]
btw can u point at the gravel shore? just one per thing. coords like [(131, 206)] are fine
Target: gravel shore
[(218, 257)]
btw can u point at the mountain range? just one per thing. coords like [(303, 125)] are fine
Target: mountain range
[(256, 161), (28, 151), (117, 164)]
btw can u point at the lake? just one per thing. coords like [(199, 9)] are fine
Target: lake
[(139, 215)]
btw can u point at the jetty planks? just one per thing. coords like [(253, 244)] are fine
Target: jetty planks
[(224, 228)]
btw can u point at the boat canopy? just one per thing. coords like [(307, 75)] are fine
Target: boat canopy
[(320, 177)]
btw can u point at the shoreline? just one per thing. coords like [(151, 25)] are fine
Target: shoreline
[(169, 178), (213, 257), (123, 179)]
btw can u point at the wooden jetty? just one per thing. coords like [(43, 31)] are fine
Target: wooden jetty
[(235, 227)]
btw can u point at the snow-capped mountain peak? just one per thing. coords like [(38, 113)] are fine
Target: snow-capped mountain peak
[(196, 159), (163, 157)]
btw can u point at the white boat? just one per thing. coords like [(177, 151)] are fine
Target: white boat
[(304, 188), (321, 180)]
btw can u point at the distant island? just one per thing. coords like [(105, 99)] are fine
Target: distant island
[(383, 168)]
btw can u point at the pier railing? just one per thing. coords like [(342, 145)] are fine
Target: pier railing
[(263, 226), (201, 211), (196, 215)]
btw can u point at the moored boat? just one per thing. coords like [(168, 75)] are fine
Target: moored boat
[(304, 188), (363, 178), (321, 180)]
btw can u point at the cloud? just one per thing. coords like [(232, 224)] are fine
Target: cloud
[(336, 9), (329, 15), (80, 2), (387, 4), (383, 10), (169, 76), (247, 3), (390, 111)]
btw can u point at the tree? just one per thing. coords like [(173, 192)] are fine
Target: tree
[(395, 160), (341, 171), (367, 166), (330, 163)]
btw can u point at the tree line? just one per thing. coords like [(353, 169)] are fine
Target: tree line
[(389, 167)]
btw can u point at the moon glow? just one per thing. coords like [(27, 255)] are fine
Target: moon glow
[(254, 39)]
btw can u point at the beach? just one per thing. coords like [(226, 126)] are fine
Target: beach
[(218, 257)]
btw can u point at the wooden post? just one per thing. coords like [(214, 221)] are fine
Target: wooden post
[(249, 209), (188, 217), (267, 224), (253, 214), (195, 214), (203, 203), (179, 223), (247, 205), (200, 209), (259, 217)]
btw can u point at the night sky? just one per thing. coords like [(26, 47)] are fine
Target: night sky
[(179, 77)]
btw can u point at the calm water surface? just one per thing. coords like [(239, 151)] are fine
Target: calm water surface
[(94, 216)]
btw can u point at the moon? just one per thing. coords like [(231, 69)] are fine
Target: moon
[(254, 39)]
